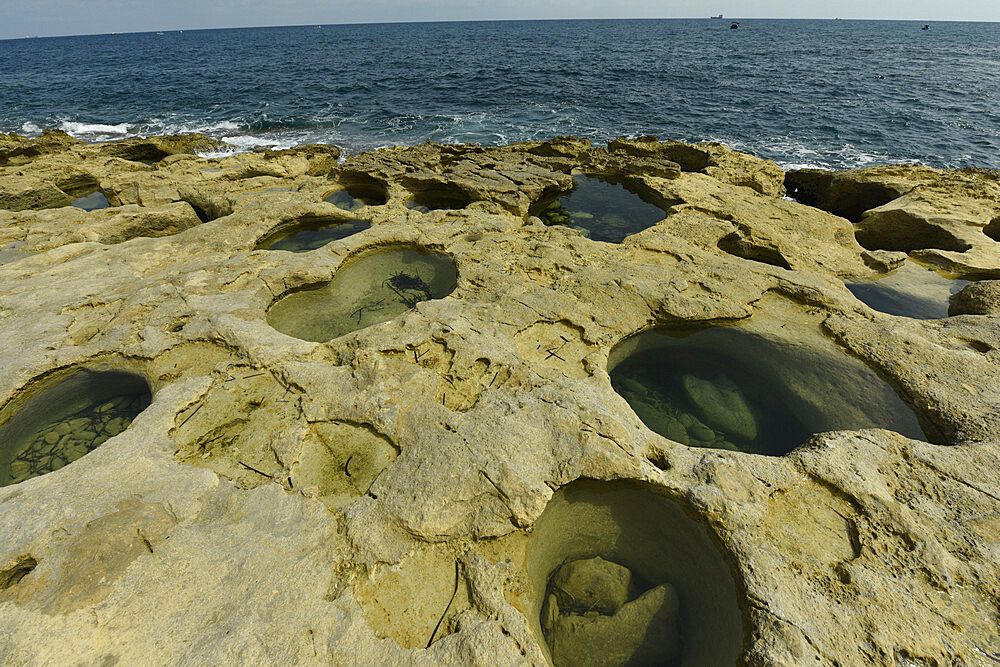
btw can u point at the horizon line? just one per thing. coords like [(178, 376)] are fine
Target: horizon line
[(525, 20)]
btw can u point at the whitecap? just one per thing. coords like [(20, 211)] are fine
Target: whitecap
[(93, 130)]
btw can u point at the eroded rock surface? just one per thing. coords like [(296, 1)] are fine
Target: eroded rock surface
[(378, 498)]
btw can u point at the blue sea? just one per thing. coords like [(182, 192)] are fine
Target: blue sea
[(825, 93)]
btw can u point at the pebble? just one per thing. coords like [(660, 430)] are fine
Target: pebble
[(702, 432), (59, 444), (114, 426), (19, 468), (74, 452)]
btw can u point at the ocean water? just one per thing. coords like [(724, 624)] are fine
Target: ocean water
[(804, 92)]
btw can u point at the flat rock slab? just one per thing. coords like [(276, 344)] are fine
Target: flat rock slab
[(368, 499)]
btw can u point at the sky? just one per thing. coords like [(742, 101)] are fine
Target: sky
[(45, 18)]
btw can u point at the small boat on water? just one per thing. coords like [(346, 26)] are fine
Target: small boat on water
[(734, 26), (716, 17), (926, 26)]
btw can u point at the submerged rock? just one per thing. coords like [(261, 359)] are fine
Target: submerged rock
[(721, 404), (641, 632), (593, 584)]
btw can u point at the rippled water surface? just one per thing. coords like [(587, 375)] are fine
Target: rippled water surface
[(822, 93)]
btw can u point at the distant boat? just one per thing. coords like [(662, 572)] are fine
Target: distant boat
[(159, 33), (716, 17), (734, 26), (926, 26)]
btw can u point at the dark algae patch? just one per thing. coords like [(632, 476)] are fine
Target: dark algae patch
[(727, 388), (601, 210)]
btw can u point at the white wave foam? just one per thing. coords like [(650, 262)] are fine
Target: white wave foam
[(93, 130), (276, 140), (29, 129), (168, 126)]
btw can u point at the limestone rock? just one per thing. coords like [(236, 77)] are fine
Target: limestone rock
[(642, 632), (850, 193), (356, 499), (721, 404), (980, 298), (23, 192), (714, 159), (593, 584), (15, 149)]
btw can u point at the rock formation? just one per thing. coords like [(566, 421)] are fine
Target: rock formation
[(408, 491)]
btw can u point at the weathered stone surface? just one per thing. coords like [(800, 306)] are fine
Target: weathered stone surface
[(982, 298), (714, 159), (368, 499), (943, 217), (15, 149), (641, 632), (593, 584)]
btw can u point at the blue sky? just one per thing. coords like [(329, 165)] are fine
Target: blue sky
[(66, 17)]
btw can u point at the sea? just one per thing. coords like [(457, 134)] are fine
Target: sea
[(806, 93)]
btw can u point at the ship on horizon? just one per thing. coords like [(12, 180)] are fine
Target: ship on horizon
[(716, 17)]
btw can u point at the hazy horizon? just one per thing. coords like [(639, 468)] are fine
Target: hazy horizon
[(63, 18)]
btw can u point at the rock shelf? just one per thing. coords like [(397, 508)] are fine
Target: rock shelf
[(416, 444)]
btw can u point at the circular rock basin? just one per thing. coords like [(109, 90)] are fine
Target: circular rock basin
[(373, 287), (358, 192), (310, 234), (912, 290), (92, 201), (439, 197), (622, 576), (763, 390), (66, 421), (601, 209)]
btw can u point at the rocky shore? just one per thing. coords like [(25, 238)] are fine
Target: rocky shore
[(495, 461)]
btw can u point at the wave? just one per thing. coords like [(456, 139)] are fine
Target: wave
[(94, 131), (358, 132)]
